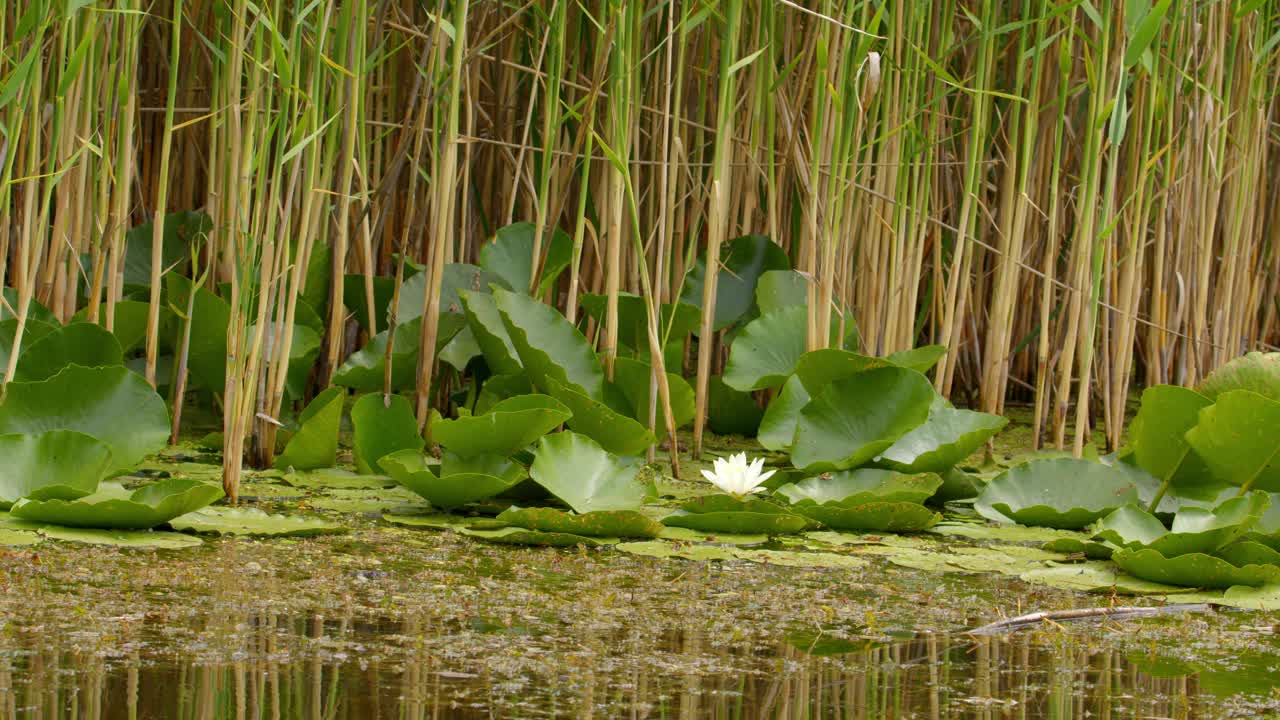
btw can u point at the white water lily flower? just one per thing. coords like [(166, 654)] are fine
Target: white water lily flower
[(736, 476)]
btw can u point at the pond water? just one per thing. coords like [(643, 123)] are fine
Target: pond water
[(239, 631)]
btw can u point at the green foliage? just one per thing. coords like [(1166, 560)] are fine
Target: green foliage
[(616, 432), (1063, 493), (509, 426), (598, 523), (54, 465), (765, 352), (252, 522), (83, 344), (113, 507), (550, 348), (743, 261), (510, 256), (382, 426), (1236, 438), (576, 469), (315, 444), (946, 438)]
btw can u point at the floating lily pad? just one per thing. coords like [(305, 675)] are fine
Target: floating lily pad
[(435, 521), (112, 404), (632, 377), (511, 425), (54, 465), (946, 438), (879, 516), (765, 352), (1062, 493), (1089, 548), (1097, 576), (80, 343), (1266, 597), (18, 538), (586, 477), (740, 522), (113, 507), (600, 523), (149, 539), (1159, 431), (1244, 553), (382, 425), (1006, 533), (315, 445), (1193, 570), (369, 501), (855, 419), (786, 558), (1195, 530), (849, 488), (1236, 437), (521, 536), (700, 536), (251, 521), (550, 347)]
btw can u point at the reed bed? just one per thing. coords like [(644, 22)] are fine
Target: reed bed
[(1076, 198)]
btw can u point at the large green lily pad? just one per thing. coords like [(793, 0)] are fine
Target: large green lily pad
[(1158, 432), (1098, 576), (877, 516), (785, 558), (382, 425), (1192, 570), (490, 333), (632, 377), (111, 404), (510, 256), (742, 261), (252, 522), (81, 343), (674, 321), (464, 481), (1195, 530), (510, 425), (574, 468), (1063, 493), (946, 438), (819, 368), (550, 347), (600, 523), (618, 433), (1244, 553), (315, 445), (365, 370), (138, 539), (54, 465), (1255, 371), (523, 536), (849, 488), (921, 359), (778, 426), (113, 507), (853, 420), (722, 513), (1236, 437), (765, 352)]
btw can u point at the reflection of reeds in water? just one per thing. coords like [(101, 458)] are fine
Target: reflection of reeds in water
[(335, 669)]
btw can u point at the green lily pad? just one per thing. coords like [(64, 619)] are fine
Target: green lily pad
[(1193, 570), (1089, 548), (778, 289), (674, 321), (681, 534), (819, 368), (143, 539), (732, 412), (522, 536), (721, 553), (335, 478), (497, 388), (210, 315), (18, 538), (113, 507), (54, 465), (878, 516), (382, 425), (614, 431), (81, 343), (34, 330), (921, 359), (490, 333), (946, 438), (356, 298), (253, 522), (111, 404), (1244, 553), (1236, 437), (855, 419), (742, 261), (1006, 533), (456, 277), (1098, 576), (632, 378), (850, 488), (739, 522), (1062, 493), (778, 426), (129, 326), (1255, 371), (765, 352), (180, 228), (550, 347), (465, 484), (1159, 431), (1195, 530), (315, 445), (1267, 529), (510, 256), (600, 523), (365, 369), (1266, 597), (511, 425), (586, 477)]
